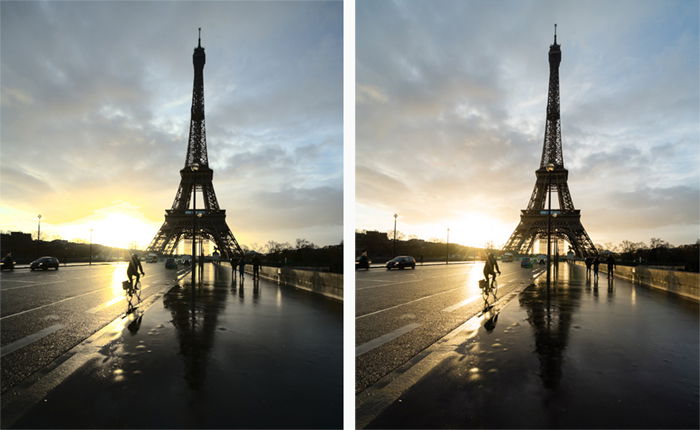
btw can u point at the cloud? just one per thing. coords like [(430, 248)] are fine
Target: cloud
[(99, 111), (451, 106)]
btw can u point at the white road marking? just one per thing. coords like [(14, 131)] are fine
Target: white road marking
[(407, 303), (460, 304), (104, 305), (54, 303), (381, 340), (21, 343), (111, 302), (32, 284), (412, 280)]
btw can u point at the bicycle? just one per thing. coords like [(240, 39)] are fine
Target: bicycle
[(488, 289)]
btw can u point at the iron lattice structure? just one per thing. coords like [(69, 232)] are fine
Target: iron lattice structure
[(196, 176), (566, 221)]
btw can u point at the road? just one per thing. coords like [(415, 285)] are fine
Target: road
[(43, 314), (224, 355), (579, 354), (401, 312)]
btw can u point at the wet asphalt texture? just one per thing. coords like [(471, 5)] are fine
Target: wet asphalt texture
[(245, 356), (426, 297), (584, 355)]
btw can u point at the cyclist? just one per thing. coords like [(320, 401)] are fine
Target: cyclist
[(490, 269)]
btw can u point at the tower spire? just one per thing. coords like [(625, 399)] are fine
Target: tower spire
[(199, 37), (555, 34)]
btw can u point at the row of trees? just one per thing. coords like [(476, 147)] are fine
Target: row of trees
[(380, 248), (304, 254), (657, 253)]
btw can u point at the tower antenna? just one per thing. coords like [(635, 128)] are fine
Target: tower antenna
[(555, 34), (199, 38)]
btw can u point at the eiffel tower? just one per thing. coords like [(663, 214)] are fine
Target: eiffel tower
[(566, 221), (196, 176)]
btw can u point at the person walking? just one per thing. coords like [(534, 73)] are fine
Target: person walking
[(589, 262), (134, 269), (241, 267), (611, 266), (233, 268), (256, 268), (596, 266)]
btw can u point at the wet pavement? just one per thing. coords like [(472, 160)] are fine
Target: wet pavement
[(586, 355), (399, 313), (245, 356)]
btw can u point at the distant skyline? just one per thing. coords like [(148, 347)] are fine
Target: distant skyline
[(96, 105), (451, 105)]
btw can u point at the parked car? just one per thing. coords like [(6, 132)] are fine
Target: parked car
[(170, 263), (152, 258), (526, 262), (44, 263), (401, 262), (507, 257)]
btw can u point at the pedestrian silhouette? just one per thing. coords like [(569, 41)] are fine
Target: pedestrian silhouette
[(589, 262), (241, 268), (596, 266), (256, 268), (611, 266)]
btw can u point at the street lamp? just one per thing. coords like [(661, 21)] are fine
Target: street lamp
[(90, 247), (550, 169), (447, 249), (194, 168), (395, 216), (38, 235)]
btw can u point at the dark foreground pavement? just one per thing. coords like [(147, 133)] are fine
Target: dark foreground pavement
[(244, 357), (584, 356)]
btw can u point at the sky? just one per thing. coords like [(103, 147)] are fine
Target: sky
[(451, 103), (95, 116)]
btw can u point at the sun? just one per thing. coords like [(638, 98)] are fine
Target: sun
[(118, 227)]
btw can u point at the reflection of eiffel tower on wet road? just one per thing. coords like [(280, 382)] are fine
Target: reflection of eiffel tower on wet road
[(196, 176), (566, 221)]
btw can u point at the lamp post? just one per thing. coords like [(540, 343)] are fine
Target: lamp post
[(90, 247), (447, 248), (194, 168), (38, 235), (395, 216), (550, 169)]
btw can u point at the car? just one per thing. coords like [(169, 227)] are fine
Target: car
[(526, 262), (170, 263), (44, 263), (152, 258), (507, 257), (401, 262)]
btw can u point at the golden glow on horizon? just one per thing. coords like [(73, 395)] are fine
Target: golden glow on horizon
[(111, 227), (472, 229)]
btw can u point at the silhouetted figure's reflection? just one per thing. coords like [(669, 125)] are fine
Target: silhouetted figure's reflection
[(196, 322), (550, 314), (256, 288), (135, 324), (490, 323)]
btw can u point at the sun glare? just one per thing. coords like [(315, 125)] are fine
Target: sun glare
[(117, 229), (472, 229)]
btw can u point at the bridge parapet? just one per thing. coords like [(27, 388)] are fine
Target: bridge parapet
[(686, 284)]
